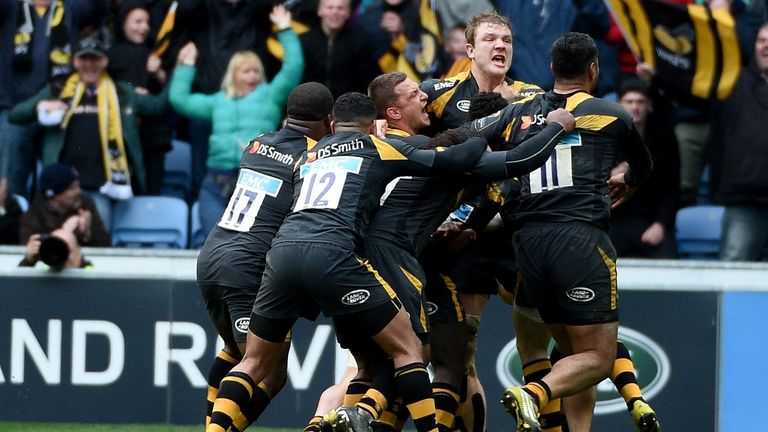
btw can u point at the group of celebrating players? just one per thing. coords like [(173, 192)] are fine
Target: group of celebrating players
[(476, 184)]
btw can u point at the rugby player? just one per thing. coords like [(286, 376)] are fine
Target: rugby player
[(489, 46), (231, 262), (410, 210), (315, 261), (565, 257)]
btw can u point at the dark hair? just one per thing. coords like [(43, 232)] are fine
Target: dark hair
[(485, 18), (382, 91), (634, 85), (309, 101), (354, 107), (486, 103), (571, 55)]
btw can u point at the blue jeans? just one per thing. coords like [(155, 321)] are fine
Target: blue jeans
[(745, 232), (19, 147), (215, 191)]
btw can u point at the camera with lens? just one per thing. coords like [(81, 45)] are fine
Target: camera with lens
[(54, 252)]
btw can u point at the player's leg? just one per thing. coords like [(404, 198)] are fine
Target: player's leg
[(333, 396), (472, 410), (623, 377), (263, 355)]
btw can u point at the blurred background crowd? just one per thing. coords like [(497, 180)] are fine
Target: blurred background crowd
[(106, 105)]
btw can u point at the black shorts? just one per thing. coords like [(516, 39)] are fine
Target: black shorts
[(229, 309), (442, 299), (404, 274), (302, 277), (568, 272)]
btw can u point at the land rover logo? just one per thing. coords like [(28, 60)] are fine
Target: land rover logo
[(431, 308), (463, 105), (580, 294), (355, 297), (652, 369), (242, 325)]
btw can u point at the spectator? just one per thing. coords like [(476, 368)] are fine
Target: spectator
[(219, 29), (92, 126), (59, 250), (130, 61), (335, 53), (10, 212), (538, 23), (644, 226), (246, 106), (35, 41), (61, 204), (456, 47), (740, 160)]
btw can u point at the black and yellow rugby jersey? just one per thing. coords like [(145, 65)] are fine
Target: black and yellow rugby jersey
[(238, 245), (411, 208), (338, 184), (448, 98), (571, 184)]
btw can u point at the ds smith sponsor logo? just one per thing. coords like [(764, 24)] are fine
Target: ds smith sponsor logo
[(527, 121), (337, 148), (463, 105), (355, 297), (242, 325), (652, 368), (270, 152)]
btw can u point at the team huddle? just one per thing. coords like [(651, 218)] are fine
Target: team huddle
[(401, 230)]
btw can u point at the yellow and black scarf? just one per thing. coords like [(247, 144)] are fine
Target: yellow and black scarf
[(118, 184), (56, 29)]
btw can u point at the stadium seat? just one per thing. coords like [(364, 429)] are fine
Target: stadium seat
[(151, 221), (198, 236), (23, 203), (699, 229), (177, 177)]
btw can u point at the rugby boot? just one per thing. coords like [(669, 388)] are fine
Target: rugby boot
[(523, 407), (644, 417), (328, 420), (352, 419)]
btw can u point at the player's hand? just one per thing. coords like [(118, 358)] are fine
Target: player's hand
[(563, 117), (509, 94), (187, 54), (448, 229), (462, 240), (280, 17), (381, 128), (621, 168), (653, 235), (618, 190), (33, 248)]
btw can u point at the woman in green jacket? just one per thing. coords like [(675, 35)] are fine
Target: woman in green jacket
[(246, 107)]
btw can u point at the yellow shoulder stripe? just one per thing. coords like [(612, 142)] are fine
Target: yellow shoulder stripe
[(386, 151), (594, 122), (438, 105), (397, 132), (310, 143), (508, 130), (572, 102)]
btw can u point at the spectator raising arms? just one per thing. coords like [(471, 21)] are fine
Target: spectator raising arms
[(245, 107)]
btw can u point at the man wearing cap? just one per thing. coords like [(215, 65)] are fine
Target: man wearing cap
[(92, 126), (61, 204)]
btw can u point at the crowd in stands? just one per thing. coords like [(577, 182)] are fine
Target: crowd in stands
[(95, 93)]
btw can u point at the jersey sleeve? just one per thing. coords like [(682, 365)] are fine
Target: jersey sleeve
[(408, 160), (524, 158)]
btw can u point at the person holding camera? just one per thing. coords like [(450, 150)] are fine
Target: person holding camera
[(60, 203)]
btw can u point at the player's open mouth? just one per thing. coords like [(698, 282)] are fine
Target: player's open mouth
[(499, 60)]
